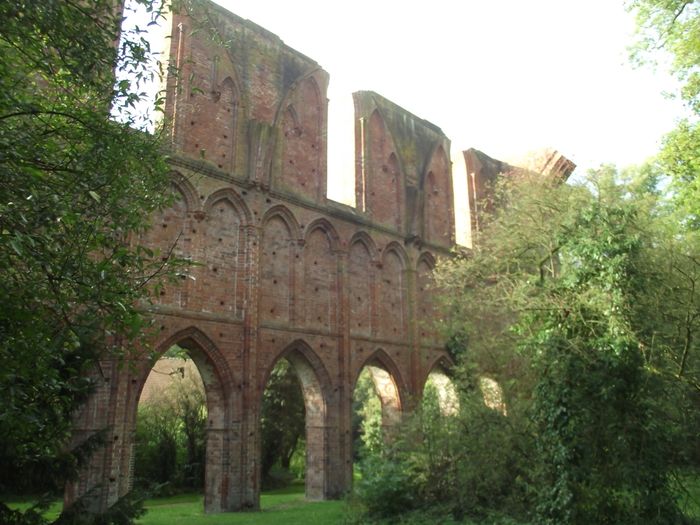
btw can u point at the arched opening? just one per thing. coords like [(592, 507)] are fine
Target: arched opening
[(180, 442), (440, 393), (310, 450), (169, 455), (282, 430), (376, 410), (492, 394)]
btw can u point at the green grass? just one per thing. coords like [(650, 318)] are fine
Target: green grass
[(22, 503), (286, 506)]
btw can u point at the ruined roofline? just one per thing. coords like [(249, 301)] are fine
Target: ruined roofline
[(546, 161), (209, 5), (383, 101)]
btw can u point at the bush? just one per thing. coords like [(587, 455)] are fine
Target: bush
[(454, 466), (170, 449)]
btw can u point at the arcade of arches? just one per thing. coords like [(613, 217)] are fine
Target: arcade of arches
[(283, 271)]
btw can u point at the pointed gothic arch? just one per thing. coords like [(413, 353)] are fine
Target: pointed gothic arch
[(220, 483), (316, 390)]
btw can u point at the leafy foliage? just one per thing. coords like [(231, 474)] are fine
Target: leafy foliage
[(171, 436), (575, 300), (282, 420), (669, 32), (367, 432), (76, 186)]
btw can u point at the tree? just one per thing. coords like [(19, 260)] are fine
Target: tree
[(565, 279), (171, 433), (672, 26), (566, 302), (669, 32), (282, 419), (77, 186)]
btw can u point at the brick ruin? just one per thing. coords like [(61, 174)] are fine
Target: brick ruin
[(285, 272)]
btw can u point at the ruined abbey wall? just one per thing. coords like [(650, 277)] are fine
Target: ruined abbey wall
[(283, 271)]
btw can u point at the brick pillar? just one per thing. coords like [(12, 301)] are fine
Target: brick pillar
[(345, 384), (101, 479), (247, 436), (414, 340)]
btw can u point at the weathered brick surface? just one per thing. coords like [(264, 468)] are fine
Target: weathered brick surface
[(285, 273)]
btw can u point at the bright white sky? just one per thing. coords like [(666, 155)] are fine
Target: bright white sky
[(503, 76)]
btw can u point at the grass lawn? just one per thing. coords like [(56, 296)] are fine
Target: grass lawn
[(279, 506), (285, 505)]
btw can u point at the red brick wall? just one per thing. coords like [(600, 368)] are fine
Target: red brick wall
[(284, 272)]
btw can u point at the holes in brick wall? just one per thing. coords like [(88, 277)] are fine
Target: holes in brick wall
[(221, 303), (274, 281), (192, 123), (162, 293), (225, 136), (214, 270), (165, 225), (220, 166), (194, 230), (196, 146)]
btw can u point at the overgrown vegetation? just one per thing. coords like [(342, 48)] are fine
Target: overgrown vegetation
[(75, 186), (575, 301), (171, 437), (283, 429)]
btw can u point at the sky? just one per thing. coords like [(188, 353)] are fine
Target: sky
[(505, 77)]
